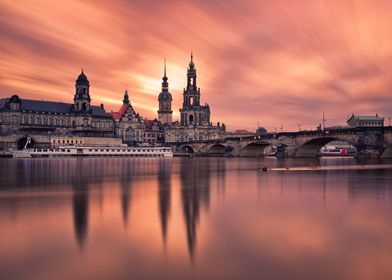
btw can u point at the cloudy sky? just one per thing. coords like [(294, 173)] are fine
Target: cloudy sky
[(257, 60)]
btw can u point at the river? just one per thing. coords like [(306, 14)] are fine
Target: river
[(194, 218)]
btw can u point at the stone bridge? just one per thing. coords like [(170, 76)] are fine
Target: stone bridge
[(373, 142)]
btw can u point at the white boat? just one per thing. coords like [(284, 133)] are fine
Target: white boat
[(95, 151)]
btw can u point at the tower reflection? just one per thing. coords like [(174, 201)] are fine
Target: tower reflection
[(80, 202), (80, 212), (195, 193), (126, 192), (164, 193)]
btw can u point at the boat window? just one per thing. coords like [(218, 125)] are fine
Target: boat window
[(68, 151)]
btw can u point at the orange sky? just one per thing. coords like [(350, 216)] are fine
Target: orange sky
[(260, 60)]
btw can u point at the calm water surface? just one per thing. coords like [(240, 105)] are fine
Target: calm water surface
[(193, 218)]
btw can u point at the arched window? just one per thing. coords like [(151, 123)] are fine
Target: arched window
[(15, 119), (84, 107), (190, 100), (191, 119)]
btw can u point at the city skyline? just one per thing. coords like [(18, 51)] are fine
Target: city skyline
[(251, 67)]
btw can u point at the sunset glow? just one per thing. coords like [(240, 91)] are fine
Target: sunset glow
[(275, 62)]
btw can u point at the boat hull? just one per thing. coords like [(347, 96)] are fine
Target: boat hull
[(95, 151)]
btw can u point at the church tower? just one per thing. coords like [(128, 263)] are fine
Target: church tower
[(165, 111), (192, 113), (192, 93), (82, 94)]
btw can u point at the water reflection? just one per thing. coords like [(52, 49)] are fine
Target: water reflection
[(164, 194), (195, 193), (210, 218), (80, 212)]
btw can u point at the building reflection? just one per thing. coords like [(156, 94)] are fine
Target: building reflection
[(164, 194), (126, 192), (80, 203), (80, 212), (195, 193)]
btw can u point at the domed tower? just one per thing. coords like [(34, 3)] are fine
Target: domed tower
[(82, 94), (165, 111), (191, 93)]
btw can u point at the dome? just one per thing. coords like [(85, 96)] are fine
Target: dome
[(191, 64), (165, 96), (82, 79)]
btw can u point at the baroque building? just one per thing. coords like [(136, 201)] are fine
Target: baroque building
[(80, 118), (195, 124), (128, 124)]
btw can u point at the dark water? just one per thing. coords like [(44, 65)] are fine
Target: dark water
[(199, 218)]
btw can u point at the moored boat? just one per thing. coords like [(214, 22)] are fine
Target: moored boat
[(337, 152), (94, 151)]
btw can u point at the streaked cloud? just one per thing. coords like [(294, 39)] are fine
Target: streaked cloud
[(269, 61)]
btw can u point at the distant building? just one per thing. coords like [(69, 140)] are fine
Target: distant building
[(368, 121), (25, 116), (194, 122), (128, 124)]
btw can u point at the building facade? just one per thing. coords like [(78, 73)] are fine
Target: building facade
[(368, 121), (194, 122), (25, 116), (154, 132), (128, 124)]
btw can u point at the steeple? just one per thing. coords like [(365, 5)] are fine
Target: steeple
[(164, 69), (191, 64), (191, 74), (165, 84), (126, 97), (165, 100)]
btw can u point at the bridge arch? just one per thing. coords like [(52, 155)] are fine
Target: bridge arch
[(187, 149), (311, 148), (253, 149), (217, 149)]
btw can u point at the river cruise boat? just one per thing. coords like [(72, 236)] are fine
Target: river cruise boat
[(124, 151)]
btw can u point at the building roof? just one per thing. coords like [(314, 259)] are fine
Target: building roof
[(98, 111), (150, 123), (120, 113), (82, 79), (53, 107), (165, 96), (45, 106), (366, 118)]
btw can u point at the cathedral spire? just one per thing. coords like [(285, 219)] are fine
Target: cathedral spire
[(165, 84), (126, 97), (191, 63), (164, 71)]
